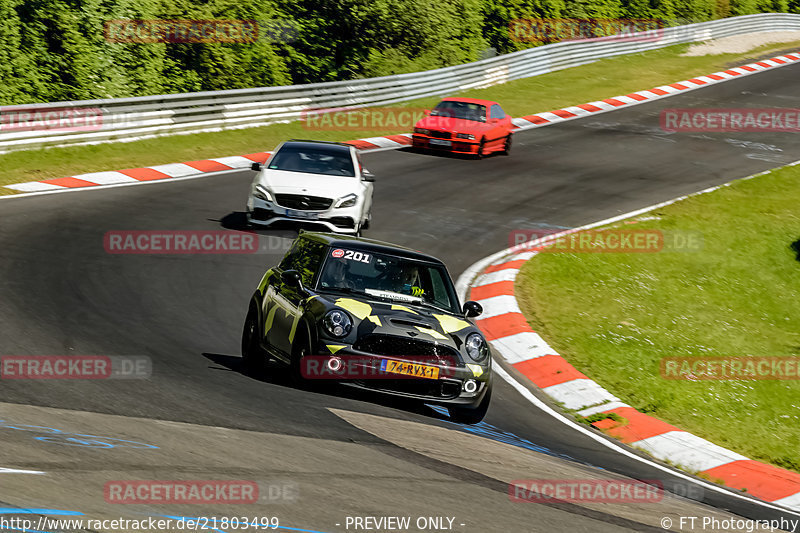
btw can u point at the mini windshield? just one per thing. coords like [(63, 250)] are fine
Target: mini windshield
[(462, 110), (314, 160), (388, 277)]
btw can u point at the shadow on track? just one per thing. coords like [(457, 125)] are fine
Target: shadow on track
[(447, 155), (275, 374), (288, 229), (235, 221)]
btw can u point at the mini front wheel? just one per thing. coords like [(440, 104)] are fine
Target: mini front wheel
[(255, 359), (471, 415)]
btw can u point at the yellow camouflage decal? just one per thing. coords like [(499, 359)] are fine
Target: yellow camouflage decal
[(451, 324), (403, 308), (294, 324), (375, 320), (262, 285), (476, 370), (270, 319), (335, 347), (358, 309), (294, 327), (432, 332)]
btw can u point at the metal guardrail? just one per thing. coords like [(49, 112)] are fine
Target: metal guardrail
[(128, 119)]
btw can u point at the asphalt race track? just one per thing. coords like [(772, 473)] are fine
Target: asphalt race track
[(346, 454)]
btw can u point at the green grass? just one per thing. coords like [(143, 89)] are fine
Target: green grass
[(615, 316), (606, 78)]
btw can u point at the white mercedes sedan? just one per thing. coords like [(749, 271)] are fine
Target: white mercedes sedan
[(313, 182)]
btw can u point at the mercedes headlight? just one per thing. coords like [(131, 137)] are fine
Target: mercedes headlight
[(337, 323), (422, 131), (465, 136), (347, 201), (263, 193), (477, 348)]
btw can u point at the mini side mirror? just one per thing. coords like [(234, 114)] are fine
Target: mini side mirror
[(256, 167), (472, 309), (292, 278)]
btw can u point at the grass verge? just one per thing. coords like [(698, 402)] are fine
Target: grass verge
[(603, 79), (614, 316)]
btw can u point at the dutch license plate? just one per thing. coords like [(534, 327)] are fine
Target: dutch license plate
[(410, 369), (440, 142), (301, 214)]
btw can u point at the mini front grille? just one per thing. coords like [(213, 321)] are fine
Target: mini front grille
[(396, 346), (303, 202)]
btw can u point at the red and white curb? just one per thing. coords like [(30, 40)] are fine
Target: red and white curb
[(393, 142), (610, 104), (188, 169), (490, 282)]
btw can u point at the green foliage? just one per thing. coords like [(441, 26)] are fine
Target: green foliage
[(500, 18), (594, 9), (55, 50)]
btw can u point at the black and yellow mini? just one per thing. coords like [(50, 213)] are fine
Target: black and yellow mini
[(371, 315)]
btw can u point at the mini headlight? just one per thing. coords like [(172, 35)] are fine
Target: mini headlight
[(477, 348), (337, 323), (422, 131), (347, 201), (465, 136), (262, 192)]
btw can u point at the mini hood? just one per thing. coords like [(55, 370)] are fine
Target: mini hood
[(404, 320)]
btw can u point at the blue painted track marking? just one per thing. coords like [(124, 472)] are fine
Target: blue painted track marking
[(484, 429), (50, 512), (56, 436)]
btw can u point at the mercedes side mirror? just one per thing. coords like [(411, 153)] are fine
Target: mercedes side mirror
[(472, 309), (366, 175), (256, 167)]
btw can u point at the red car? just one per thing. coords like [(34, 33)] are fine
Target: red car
[(465, 126)]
